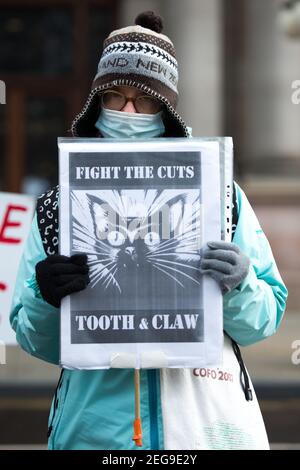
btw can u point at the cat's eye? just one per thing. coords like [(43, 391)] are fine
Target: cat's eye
[(152, 238), (116, 238)]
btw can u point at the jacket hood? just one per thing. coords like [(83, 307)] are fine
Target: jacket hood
[(84, 123)]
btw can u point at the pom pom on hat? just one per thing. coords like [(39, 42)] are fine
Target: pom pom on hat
[(148, 19)]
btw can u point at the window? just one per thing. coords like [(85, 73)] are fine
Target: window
[(48, 58), (35, 41)]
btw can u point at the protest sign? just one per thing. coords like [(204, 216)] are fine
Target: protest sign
[(141, 211), (15, 221)]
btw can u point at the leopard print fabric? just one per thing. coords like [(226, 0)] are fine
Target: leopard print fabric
[(47, 216)]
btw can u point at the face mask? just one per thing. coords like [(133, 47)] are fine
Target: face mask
[(122, 125)]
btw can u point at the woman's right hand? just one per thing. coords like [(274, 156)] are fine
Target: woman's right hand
[(58, 276)]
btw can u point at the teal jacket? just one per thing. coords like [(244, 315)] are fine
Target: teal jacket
[(95, 409)]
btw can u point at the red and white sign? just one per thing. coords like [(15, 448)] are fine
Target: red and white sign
[(16, 213)]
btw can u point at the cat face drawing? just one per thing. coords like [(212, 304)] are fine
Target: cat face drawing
[(134, 236)]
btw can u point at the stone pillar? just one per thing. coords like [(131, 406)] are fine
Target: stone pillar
[(195, 27), (272, 63)]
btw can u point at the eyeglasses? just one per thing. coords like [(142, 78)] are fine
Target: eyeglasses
[(144, 104)]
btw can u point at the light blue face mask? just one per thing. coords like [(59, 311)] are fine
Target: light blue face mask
[(123, 125)]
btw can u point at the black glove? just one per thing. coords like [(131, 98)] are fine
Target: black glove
[(58, 276)]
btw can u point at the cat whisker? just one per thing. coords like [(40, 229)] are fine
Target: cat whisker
[(177, 271), (173, 249), (179, 238), (86, 250), (100, 266), (100, 272), (95, 240), (168, 274), (87, 245), (188, 244), (98, 260), (112, 278), (177, 263), (85, 231), (174, 253)]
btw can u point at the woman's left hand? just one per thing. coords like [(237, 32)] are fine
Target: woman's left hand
[(225, 263)]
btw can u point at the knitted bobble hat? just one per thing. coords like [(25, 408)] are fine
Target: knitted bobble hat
[(142, 57)]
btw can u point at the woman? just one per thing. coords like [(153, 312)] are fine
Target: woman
[(134, 94)]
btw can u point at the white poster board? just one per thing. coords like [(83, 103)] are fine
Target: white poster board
[(147, 305), (16, 213)]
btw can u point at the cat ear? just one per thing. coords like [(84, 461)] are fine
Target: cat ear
[(176, 206), (181, 198), (166, 212), (101, 213)]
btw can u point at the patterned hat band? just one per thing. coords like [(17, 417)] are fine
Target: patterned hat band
[(145, 62)]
